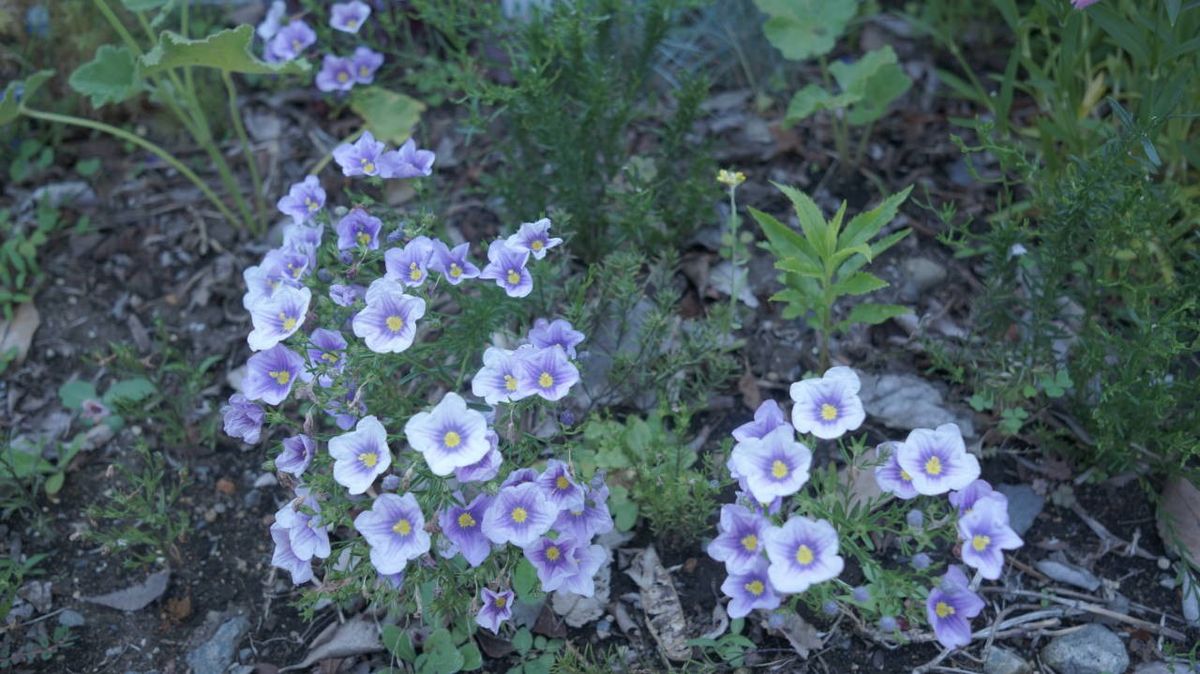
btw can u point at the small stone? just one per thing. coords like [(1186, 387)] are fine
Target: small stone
[(245, 654), (226, 486), (216, 655), (920, 275), (1069, 574), (210, 516), (69, 618), (1000, 660), (1024, 505), (906, 402), (1094, 649), (265, 480), (1163, 668)]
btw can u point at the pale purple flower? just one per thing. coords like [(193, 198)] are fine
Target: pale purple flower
[(772, 466), (326, 354), (285, 558), (346, 295), (534, 237), (547, 373), (243, 419), (921, 561), (388, 324), (750, 590), (303, 239), (518, 515), (394, 580), (278, 317), (767, 418), (360, 456), (289, 42), (888, 624), (497, 607), (272, 21), (499, 380), (589, 559), (559, 485), (409, 265), (358, 228), (1081, 4), (966, 499), (452, 263), (740, 538), (347, 410), (336, 74), (861, 594), (558, 332), (360, 158), (271, 373), (395, 529), (950, 607), (449, 436), (985, 535), (279, 268), (303, 201), (554, 559), (890, 477), (588, 519), (298, 452), (829, 406), (365, 62), (915, 519), (937, 460), (308, 536), (348, 17), (487, 467), (407, 162), (803, 552), (519, 476), (463, 525), (506, 266)]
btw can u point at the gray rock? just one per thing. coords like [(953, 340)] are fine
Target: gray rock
[(1164, 668), (1091, 650), (920, 275), (906, 401), (1069, 574), (215, 655), (69, 618), (1000, 660), (1024, 505)]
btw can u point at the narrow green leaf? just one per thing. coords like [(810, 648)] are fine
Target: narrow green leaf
[(389, 115), (227, 50), (874, 314), (143, 5), (860, 283), (799, 266), (812, 222), (784, 239), (867, 224), (54, 483)]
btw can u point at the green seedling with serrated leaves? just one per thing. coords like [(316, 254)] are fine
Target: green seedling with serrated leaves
[(824, 261)]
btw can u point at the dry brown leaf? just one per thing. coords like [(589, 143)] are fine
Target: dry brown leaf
[(803, 637), (136, 597), (356, 636), (18, 333), (664, 612), (748, 386), (1179, 519), (860, 484)]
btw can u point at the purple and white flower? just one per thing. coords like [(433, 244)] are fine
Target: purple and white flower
[(772, 466), (346, 295), (407, 162), (950, 607), (278, 317), (518, 515), (978, 490), (360, 158), (506, 266), (326, 354), (395, 529), (272, 21), (365, 62), (289, 42), (388, 324), (558, 332), (497, 608), (303, 239), (499, 379), (308, 536), (559, 486), (348, 17), (588, 519), (487, 467), (463, 525), (303, 200), (740, 538), (450, 436), (519, 476), (271, 373), (985, 534), (937, 460), (554, 559), (278, 268), (767, 418), (534, 237), (360, 456), (358, 228), (285, 558), (803, 552), (409, 265), (750, 590), (829, 406), (547, 373), (243, 419), (890, 477), (452, 263), (589, 559), (298, 452), (336, 74)]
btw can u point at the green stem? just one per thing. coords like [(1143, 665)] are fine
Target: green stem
[(119, 27), (733, 256), (251, 163), (140, 142)]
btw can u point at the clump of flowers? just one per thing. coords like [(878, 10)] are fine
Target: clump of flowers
[(414, 482), (780, 542), (339, 73)]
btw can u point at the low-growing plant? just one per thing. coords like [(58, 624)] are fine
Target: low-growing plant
[(823, 262), (20, 272)]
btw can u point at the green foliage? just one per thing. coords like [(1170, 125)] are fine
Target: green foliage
[(730, 648), (868, 86), (20, 272), (227, 51), (389, 115), (804, 29), (110, 77), (824, 262), (537, 653)]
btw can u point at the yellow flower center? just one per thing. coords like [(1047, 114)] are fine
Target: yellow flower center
[(804, 555), (943, 610), (363, 71), (455, 270), (510, 382), (352, 23), (329, 357), (519, 515), (465, 520), (536, 245), (369, 459), (905, 476), (368, 166), (402, 527), (980, 542), (395, 323), (552, 553), (779, 469), (289, 323), (562, 482), (343, 76), (756, 587), (297, 45), (310, 204), (513, 277), (828, 412), (500, 601), (545, 380), (363, 238), (281, 376), (414, 271), (750, 542), (933, 466), (452, 439)]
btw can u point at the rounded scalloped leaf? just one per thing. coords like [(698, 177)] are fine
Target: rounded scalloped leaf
[(20, 90), (802, 29), (228, 50), (110, 77), (389, 115)]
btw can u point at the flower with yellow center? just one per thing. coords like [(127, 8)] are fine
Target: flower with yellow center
[(933, 466), (451, 439), (561, 482), (368, 459), (510, 382), (519, 515), (414, 271), (943, 610), (545, 380), (829, 412), (466, 521), (455, 270), (368, 166), (363, 71), (779, 469), (750, 542), (343, 77), (395, 323), (282, 377), (402, 527), (980, 542), (756, 587), (552, 553), (804, 555), (500, 602), (363, 238), (536, 245), (513, 277), (730, 178)]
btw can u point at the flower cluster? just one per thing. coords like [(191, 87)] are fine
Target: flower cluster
[(338, 73)]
